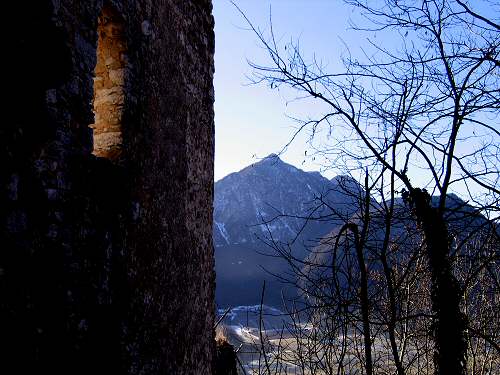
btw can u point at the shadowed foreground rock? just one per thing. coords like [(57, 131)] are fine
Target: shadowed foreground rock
[(106, 259), (226, 358)]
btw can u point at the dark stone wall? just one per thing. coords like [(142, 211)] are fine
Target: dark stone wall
[(107, 266)]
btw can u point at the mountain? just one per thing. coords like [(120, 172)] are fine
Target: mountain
[(272, 206), (273, 198), (470, 232), (272, 201)]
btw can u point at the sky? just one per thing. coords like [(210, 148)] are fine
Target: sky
[(253, 121)]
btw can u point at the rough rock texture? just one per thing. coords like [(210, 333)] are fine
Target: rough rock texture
[(106, 266), (112, 68), (226, 363)]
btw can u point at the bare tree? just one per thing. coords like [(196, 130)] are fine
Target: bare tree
[(366, 294), (426, 111)]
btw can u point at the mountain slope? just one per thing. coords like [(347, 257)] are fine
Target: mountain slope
[(265, 202), (273, 198)]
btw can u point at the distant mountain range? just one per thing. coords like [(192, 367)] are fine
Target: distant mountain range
[(273, 198), (272, 202)]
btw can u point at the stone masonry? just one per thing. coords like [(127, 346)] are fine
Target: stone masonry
[(109, 85), (106, 184)]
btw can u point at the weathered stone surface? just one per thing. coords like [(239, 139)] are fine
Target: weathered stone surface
[(106, 263), (111, 72)]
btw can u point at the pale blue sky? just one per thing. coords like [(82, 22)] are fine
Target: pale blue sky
[(252, 120)]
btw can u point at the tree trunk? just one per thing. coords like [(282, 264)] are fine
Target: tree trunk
[(449, 324)]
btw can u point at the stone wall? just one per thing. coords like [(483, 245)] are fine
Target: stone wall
[(111, 71), (107, 267)]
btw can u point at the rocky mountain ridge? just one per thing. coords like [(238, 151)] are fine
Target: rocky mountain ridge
[(274, 199), (272, 202)]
